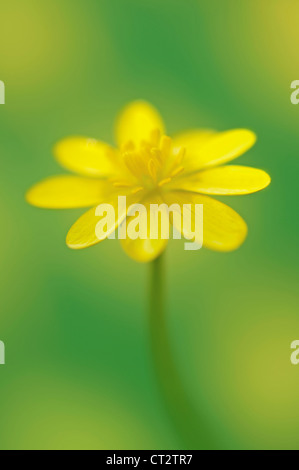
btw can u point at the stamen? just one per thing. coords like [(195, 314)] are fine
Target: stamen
[(165, 181), (152, 169), (177, 171), (166, 146), (153, 163), (156, 153), (137, 190), (131, 164), (176, 168)]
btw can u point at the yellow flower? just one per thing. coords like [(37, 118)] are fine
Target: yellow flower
[(148, 167)]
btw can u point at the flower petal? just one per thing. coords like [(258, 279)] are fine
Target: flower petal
[(204, 149), (83, 232), (192, 141), (143, 251), (225, 180), (68, 192), (148, 249), (137, 122), (87, 157), (223, 229)]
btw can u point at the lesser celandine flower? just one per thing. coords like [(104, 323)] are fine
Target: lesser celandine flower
[(149, 167)]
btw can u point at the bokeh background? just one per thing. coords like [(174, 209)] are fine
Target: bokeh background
[(79, 372)]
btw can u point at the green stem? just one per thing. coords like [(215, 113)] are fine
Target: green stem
[(185, 417)]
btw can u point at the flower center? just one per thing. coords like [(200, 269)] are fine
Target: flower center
[(155, 162)]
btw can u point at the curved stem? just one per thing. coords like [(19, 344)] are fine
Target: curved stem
[(185, 417)]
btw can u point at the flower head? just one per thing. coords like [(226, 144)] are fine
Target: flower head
[(149, 167)]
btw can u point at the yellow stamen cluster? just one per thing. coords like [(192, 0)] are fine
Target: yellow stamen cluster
[(154, 164)]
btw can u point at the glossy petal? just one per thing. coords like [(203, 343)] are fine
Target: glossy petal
[(68, 192), (83, 232), (192, 141), (143, 251), (87, 157), (148, 249), (217, 149), (137, 122), (223, 229), (225, 180)]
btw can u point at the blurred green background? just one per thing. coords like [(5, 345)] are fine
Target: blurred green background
[(79, 373)]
